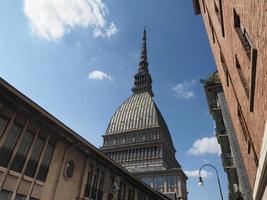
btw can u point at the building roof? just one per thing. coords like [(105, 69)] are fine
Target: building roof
[(10, 95), (139, 111), (213, 79)]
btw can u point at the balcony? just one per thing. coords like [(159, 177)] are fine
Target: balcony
[(228, 161)]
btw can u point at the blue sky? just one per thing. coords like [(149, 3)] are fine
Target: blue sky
[(78, 60)]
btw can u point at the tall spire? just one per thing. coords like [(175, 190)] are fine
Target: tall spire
[(142, 79), (143, 58)]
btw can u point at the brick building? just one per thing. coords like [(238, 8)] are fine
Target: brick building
[(41, 158), (237, 31)]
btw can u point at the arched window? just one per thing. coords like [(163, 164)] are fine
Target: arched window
[(69, 169)]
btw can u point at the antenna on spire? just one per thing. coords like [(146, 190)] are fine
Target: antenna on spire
[(142, 82), (143, 59)]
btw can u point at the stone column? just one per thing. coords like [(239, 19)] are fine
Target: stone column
[(107, 185), (135, 194)]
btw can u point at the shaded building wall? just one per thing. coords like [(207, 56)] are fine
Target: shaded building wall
[(239, 163), (41, 158), (232, 160), (237, 34)]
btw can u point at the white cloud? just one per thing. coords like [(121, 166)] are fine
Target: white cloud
[(184, 89), (195, 173), (205, 145), (52, 19), (111, 30), (98, 75)]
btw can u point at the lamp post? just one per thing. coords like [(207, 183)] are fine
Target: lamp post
[(201, 183)]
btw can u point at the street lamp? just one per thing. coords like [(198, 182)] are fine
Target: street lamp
[(201, 183)]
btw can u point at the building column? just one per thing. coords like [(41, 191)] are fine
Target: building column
[(135, 194), (124, 155), (165, 188), (130, 154)]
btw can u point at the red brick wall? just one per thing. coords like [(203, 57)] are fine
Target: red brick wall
[(253, 15)]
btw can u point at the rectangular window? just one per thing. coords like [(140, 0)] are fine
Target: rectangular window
[(204, 6), (155, 151), (20, 197), (246, 134), (35, 155), (141, 196), (9, 145), (147, 180), (242, 77), (249, 147), (100, 186), (242, 34), (171, 183), (20, 157), (88, 182), (252, 78), (122, 191), (225, 68), (23, 197), (44, 167), (5, 194), (196, 7), (219, 13), (242, 123), (3, 123), (136, 154), (158, 183), (212, 29), (131, 194), (94, 186)]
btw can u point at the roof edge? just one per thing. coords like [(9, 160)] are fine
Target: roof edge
[(74, 136)]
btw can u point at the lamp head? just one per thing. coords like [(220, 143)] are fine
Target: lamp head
[(200, 182)]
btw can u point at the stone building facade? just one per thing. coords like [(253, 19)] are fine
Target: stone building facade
[(138, 138), (233, 163), (41, 158), (238, 38)]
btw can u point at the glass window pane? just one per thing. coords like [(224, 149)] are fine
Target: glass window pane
[(130, 194), (94, 187), (158, 183), (20, 157), (170, 183), (5, 194), (33, 161), (101, 185), (88, 183), (31, 198), (20, 197), (3, 123), (146, 180), (42, 173), (9, 144)]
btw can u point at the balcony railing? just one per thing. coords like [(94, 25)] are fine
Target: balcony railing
[(228, 161)]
